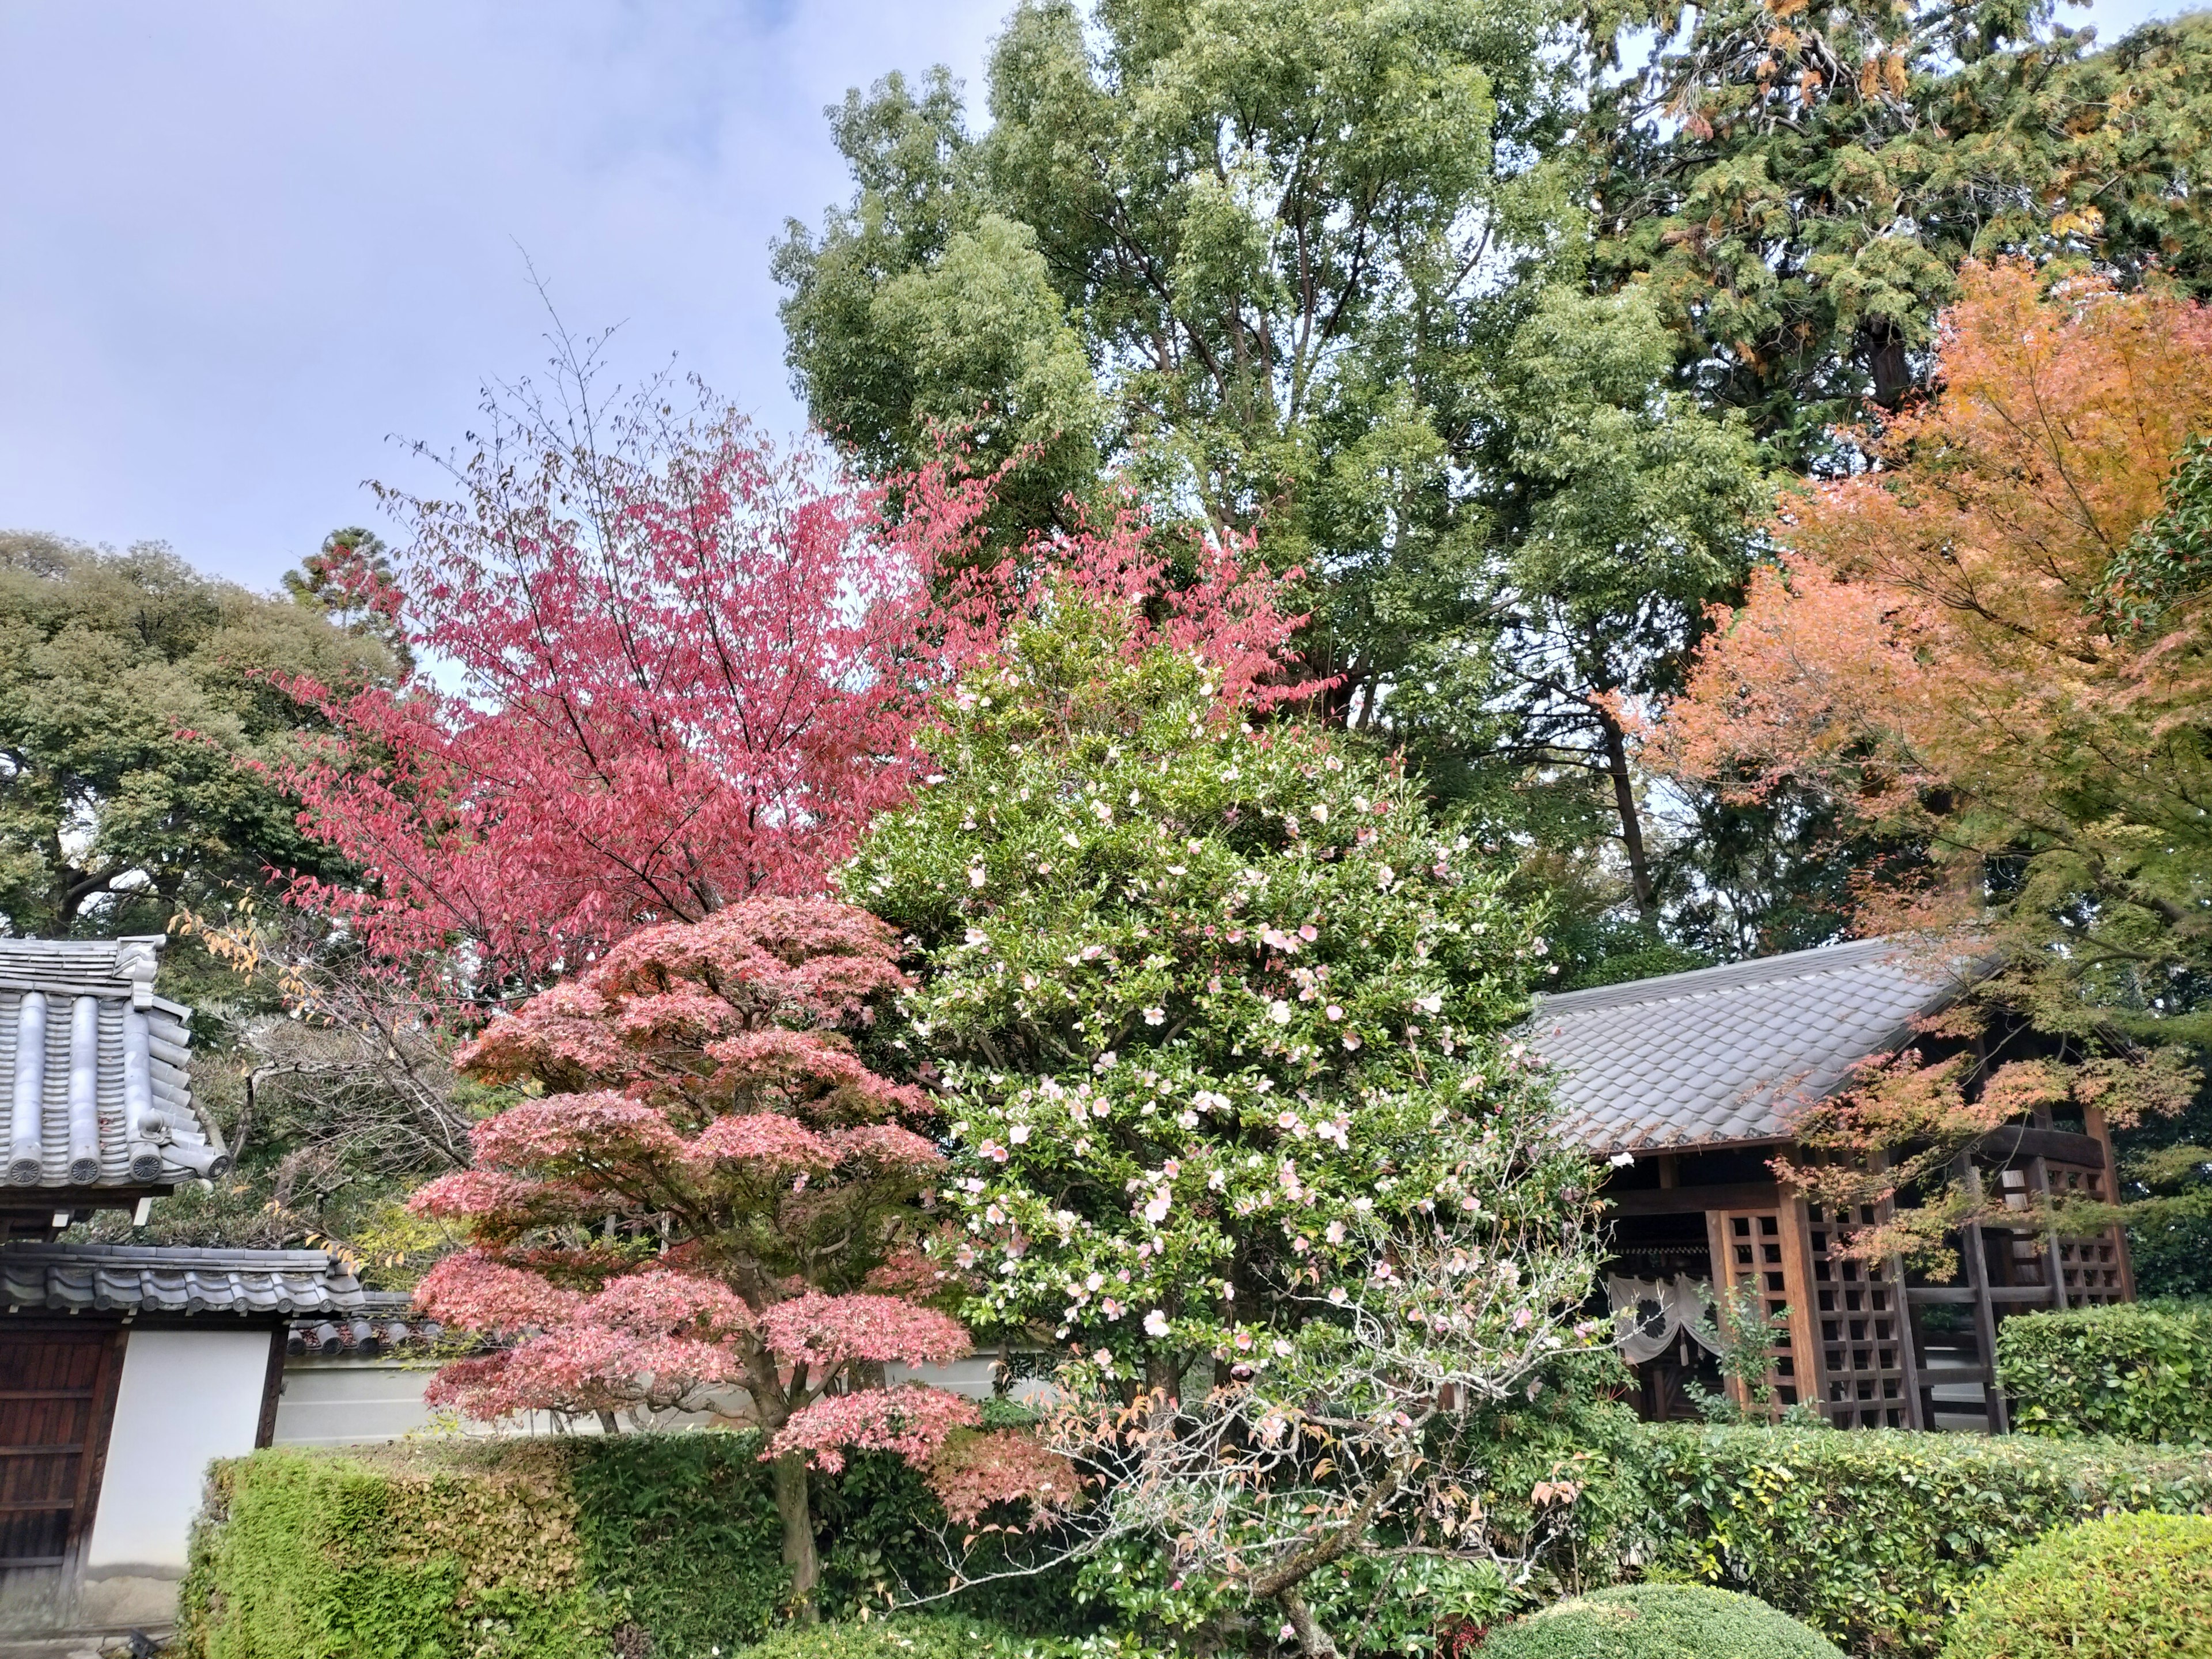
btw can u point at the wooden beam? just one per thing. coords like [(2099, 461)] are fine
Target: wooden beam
[(1688, 1200), (2060, 1145)]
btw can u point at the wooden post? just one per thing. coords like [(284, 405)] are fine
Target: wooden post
[(2094, 1122), (2054, 1273), (1812, 1359), (1999, 1419)]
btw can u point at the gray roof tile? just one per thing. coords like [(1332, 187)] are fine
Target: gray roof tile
[(95, 1079), (139, 1278), (1730, 1054)]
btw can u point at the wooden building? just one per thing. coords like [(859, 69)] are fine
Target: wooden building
[(124, 1368), (1690, 1082)]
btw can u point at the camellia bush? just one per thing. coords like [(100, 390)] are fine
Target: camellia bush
[(1214, 1008), (706, 1193)]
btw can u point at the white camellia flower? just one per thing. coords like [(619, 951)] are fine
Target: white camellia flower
[(1432, 1004), (1334, 1011), (1156, 1323), (1157, 1211), (1019, 1134), (1384, 875), (975, 876), (1280, 1012), (1156, 1016)]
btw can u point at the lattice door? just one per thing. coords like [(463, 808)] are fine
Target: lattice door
[(1748, 1249), (1861, 1318)]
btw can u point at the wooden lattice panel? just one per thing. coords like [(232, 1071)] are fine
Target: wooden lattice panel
[(2092, 1268), (1748, 1247), (1860, 1315)]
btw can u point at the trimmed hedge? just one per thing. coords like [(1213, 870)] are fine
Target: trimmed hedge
[(665, 1543), (2141, 1371), (306, 1557), (2134, 1587), (1658, 1621), (1874, 1537)]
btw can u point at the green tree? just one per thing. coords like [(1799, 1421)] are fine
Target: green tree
[(1267, 230), (1204, 1000), (132, 691), (1301, 255), (1800, 184)]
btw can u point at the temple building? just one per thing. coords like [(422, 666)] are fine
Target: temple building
[(1698, 1077)]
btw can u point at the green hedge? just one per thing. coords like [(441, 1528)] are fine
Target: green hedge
[(306, 1557), (665, 1544), (2141, 1371), (1658, 1621), (1874, 1537), (2133, 1587)]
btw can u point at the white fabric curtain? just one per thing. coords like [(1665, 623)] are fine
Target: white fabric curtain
[(1650, 1315)]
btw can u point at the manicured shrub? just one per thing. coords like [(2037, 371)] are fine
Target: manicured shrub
[(665, 1543), (2130, 1587), (2141, 1371), (389, 1556), (1658, 1621), (1875, 1537)]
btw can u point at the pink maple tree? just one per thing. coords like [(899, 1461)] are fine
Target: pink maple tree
[(707, 1200), (668, 667)]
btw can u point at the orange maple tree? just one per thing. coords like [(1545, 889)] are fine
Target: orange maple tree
[(1960, 648)]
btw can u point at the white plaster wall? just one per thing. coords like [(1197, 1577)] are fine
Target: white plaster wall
[(187, 1397)]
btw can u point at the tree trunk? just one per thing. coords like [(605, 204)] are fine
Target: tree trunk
[(798, 1514), (1313, 1641), (1624, 799)]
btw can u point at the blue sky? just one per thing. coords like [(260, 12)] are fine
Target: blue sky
[(242, 244)]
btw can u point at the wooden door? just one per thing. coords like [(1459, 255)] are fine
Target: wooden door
[(58, 1386)]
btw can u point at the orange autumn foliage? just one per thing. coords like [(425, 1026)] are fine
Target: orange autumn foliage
[(1936, 652), (1947, 653)]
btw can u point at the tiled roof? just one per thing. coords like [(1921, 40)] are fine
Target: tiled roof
[(1730, 1054), (95, 1088), (139, 1278), (379, 1327)]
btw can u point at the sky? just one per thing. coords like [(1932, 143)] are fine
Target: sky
[(248, 248)]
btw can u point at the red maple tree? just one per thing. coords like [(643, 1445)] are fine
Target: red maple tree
[(709, 1201), (667, 667)]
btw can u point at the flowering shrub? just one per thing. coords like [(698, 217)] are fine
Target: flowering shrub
[(1211, 1002), (713, 1200), (1217, 1014)]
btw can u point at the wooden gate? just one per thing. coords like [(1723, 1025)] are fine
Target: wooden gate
[(57, 1382)]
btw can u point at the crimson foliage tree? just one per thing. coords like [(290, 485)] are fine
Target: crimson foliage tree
[(707, 1200), (669, 669)]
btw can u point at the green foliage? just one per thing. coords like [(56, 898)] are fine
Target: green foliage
[(681, 1538), (1876, 1537), (1658, 1621), (131, 689), (917, 1636), (2137, 1371), (590, 1546), (1799, 192), (2128, 1587), (389, 1556), (1231, 954)]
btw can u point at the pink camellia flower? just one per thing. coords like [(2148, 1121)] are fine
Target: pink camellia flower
[(1309, 932)]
